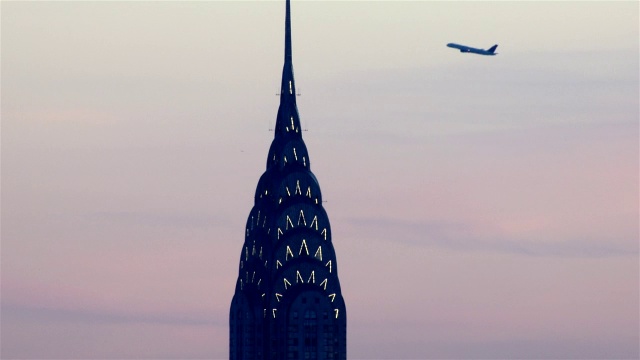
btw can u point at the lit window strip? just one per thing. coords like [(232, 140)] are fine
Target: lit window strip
[(304, 245), (324, 284)]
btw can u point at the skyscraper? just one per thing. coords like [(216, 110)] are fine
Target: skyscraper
[(287, 302)]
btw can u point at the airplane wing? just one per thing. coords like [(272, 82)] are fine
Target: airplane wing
[(459, 47)]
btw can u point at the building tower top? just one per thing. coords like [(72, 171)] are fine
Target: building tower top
[(288, 121), (287, 303)]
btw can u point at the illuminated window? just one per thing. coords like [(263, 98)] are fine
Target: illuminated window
[(314, 221), (295, 155), (312, 278), (318, 254), (278, 297), (287, 188), (241, 284), (336, 311), (301, 217), (286, 283), (274, 313), (290, 88), (289, 223), (246, 253), (328, 264), (332, 296), (279, 233), (308, 194), (289, 253), (324, 232), (304, 161), (304, 246), (253, 276), (299, 277), (324, 284), (298, 191), (278, 264), (293, 127)]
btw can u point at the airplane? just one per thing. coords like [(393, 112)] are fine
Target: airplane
[(467, 49)]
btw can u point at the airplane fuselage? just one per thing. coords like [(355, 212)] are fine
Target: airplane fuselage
[(468, 49)]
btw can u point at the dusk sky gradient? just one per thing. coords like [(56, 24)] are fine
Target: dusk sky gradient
[(481, 207)]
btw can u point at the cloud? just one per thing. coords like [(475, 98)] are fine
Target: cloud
[(79, 315), (468, 237), (132, 218)]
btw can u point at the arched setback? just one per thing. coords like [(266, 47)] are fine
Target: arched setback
[(301, 216)]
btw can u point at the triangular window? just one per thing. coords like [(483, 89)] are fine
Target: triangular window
[(301, 218), (324, 284), (304, 246), (314, 222), (298, 191)]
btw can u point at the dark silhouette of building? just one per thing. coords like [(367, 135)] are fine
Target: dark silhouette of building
[(287, 303)]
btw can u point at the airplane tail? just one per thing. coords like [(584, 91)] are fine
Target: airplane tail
[(493, 48)]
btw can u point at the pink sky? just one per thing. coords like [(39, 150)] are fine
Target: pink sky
[(480, 207)]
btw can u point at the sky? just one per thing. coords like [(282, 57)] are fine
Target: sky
[(481, 207)]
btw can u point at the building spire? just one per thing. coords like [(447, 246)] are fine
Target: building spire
[(287, 34), (288, 121)]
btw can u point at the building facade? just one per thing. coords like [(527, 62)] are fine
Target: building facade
[(287, 302)]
